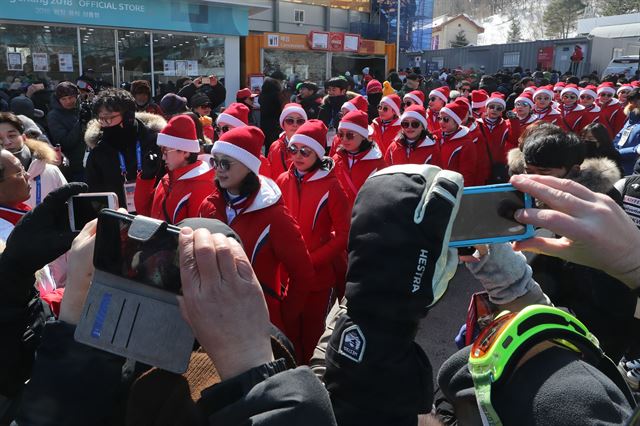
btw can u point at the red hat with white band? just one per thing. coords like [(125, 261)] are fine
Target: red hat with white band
[(416, 96), (236, 115), (357, 103), (393, 101), (526, 98), (458, 111), (313, 134), (544, 90), (606, 87), (357, 121), (417, 112), (496, 98), (571, 88), (590, 90), (291, 109), (243, 144), (179, 133)]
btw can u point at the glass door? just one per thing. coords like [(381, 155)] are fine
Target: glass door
[(99, 55), (135, 55)]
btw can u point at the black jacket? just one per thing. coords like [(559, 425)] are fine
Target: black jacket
[(66, 130), (216, 94), (270, 100), (311, 105), (103, 164)]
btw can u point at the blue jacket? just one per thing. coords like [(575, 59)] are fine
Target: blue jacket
[(627, 141)]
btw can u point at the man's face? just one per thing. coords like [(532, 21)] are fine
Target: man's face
[(413, 84), (336, 91), (559, 172), (10, 138), (14, 184), (68, 102), (305, 92), (141, 98), (108, 118)]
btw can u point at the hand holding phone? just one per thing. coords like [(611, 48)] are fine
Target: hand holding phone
[(206, 80), (83, 208)]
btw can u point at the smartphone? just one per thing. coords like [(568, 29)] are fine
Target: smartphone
[(83, 208), (486, 214), (206, 80), (153, 262)]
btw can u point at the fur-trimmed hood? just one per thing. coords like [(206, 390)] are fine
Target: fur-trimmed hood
[(597, 174), (152, 121), (42, 151)]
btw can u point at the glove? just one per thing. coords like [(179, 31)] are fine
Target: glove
[(402, 217), (40, 237), (150, 165)]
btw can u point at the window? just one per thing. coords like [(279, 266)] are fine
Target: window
[(305, 65), (511, 59), (298, 16)]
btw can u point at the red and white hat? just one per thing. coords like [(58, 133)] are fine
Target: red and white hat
[(606, 87), (243, 144), (236, 115), (525, 97), (590, 90), (496, 98), (358, 103), (635, 84), (393, 101), (456, 110), (571, 88), (624, 88), (313, 134), (356, 121), (292, 108), (479, 98), (464, 101), (559, 86), (544, 90), (441, 92), (374, 86), (417, 112), (416, 96), (179, 133), (530, 89)]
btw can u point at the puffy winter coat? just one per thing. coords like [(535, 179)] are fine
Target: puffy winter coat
[(458, 153), (497, 137), (612, 117), (178, 195), (425, 151), (279, 157), (66, 130), (44, 175), (353, 170), (317, 202), (627, 141), (552, 116), (271, 239), (384, 135)]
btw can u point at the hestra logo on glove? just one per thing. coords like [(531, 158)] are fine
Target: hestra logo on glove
[(352, 343), (420, 268)]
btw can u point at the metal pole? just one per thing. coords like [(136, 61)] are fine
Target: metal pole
[(398, 38), (79, 50), (153, 77)]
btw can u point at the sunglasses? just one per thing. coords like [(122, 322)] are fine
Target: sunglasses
[(521, 104), (496, 107), (572, 97), (223, 129), (408, 104), (346, 135), (585, 97), (292, 121), (222, 164), (444, 119), (606, 95), (304, 151), (413, 124), (383, 108)]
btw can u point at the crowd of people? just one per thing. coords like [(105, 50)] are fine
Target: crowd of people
[(331, 193)]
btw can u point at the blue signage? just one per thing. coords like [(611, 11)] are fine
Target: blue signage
[(173, 15)]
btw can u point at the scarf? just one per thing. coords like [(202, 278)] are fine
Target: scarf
[(490, 123), (236, 204), (542, 112), (567, 109)]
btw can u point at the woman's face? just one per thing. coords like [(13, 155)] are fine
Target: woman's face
[(229, 172), (174, 158), (303, 157), (523, 109), (411, 128), (542, 101), (10, 138), (569, 99), (224, 128), (291, 123), (494, 111), (350, 140), (586, 100), (557, 95), (447, 124), (385, 112), (435, 103), (622, 96)]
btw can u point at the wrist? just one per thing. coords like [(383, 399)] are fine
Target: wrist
[(631, 278)]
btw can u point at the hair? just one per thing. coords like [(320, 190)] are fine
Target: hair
[(599, 133), (1, 166), (401, 138), (338, 82), (365, 145), (549, 146), (573, 80), (250, 184), (11, 119), (115, 100), (463, 83)]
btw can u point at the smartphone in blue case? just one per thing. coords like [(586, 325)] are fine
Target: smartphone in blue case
[(486, 214)]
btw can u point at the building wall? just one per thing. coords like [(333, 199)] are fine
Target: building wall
[(450, 30)]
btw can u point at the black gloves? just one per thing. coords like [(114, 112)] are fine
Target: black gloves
[(399, 263), (40, 237), (151, 163)]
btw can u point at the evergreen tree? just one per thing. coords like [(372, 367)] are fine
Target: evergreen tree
[(561, 16), (514, 35), (619, 7), (461, 40)]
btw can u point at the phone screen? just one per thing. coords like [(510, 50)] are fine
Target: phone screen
[(488, 215), (153, 262), (85, 209)]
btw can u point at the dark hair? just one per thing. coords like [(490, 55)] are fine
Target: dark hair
[(13, 120), (463, 83), (249, 185), (549, 146), (338, 82), (634, 95), (401, 138), (115, 100), (365, 145), (199, 128)]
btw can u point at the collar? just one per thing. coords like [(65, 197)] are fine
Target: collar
[(191, 171), (268, 195), (460, 133), (13, 213), (427, 141), (593, 108)]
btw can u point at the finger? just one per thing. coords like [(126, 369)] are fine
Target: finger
[(565, 185), (188, 266), (556, 198), (89, 229), (121, 210), (556, 247), (206, 259), (225, 259), (555, 221), (244, 268)]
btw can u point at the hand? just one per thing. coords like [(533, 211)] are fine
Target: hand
[(223, 303), (59, 156), (197, 82), (213, 80), (80, 272), (481, 250), (595, 231), (151, 163)]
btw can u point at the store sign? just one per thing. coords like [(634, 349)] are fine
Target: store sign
[(371, 47), (336, 42), (351, 42), (319, 40), (545, 57), (287, 41), (172, 15)]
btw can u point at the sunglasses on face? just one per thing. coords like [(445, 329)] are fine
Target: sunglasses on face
[(292, 121), (543, 98), (521, 104), (383, 108), (222, 164), (496, 107), (571, 97), (585, 97), (222, 129), (346, 135), (444, 119), (606, 95), (413, 124), (408, 104), (304, 151)]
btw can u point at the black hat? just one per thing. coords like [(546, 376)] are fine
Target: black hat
[(199, 99), (22, 105), (172, 104), (309, 85)]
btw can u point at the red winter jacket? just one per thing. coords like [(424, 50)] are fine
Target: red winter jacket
[(265, 167), (483, 164), (318, 202), (458, 153), (612, 117), (574, 120), (335, 144), (177, 196), (592, 114), (516, 128), (425, 151), (497, 137), (384, 137), (552, 116), (433, 125), (279, 157), (353, 170), (271, 239)]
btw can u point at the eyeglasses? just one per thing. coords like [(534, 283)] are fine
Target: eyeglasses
[(521, 104), (108, 121), (222, 164), (495, 107), (408, 104), (291, 121), (165, 150), (346, 135), (571, 97), (444, 119), (413, 124), (383, 108), (606, 95), (304, 151), (223, 129), (586, 97)]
